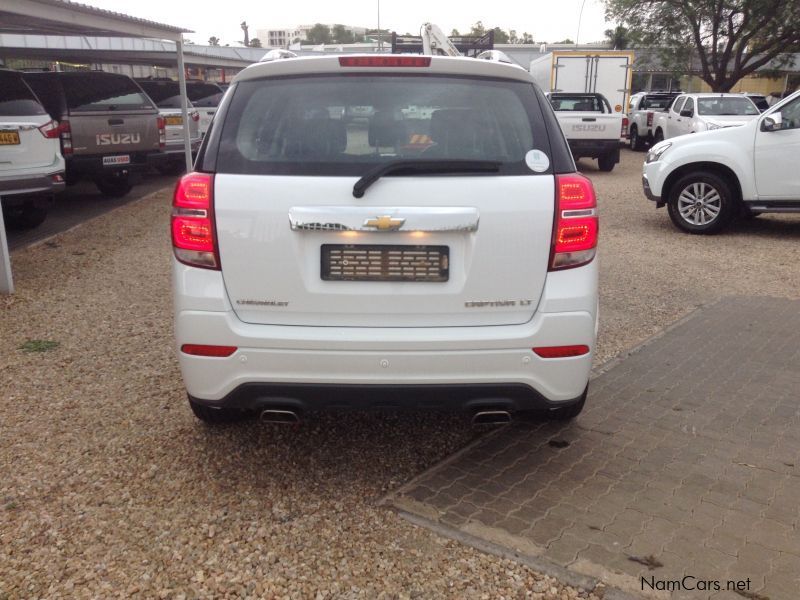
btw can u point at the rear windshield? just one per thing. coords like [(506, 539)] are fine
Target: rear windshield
[(342, 125), (99, 91), (721, 106), (578, 103), (166, 94), (204, 94), (657, 102), (16, 98)]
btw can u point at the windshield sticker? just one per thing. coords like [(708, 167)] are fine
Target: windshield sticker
[(537, 161)]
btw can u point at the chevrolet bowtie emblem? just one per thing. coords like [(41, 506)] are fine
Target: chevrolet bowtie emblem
[(384, 223)]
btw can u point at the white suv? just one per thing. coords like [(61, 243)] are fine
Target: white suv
[(441, 257), (31, 165)]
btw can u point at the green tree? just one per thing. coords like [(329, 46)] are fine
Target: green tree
[(619, 37), (255, 43), (478, 29), (213, 41), (340, 35), (527, 38), (500, 36), (319, 34), (454, 33), (729, 38), (566, 41)]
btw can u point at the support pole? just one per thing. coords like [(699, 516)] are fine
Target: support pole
[(187, 145), (6, 281)]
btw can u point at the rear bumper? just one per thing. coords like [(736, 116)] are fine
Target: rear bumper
[(176, 148), (16, 189), (593, 148), (330, 367)]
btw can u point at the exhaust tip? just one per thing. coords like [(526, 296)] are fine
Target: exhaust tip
[(491, 417), (282, 416)]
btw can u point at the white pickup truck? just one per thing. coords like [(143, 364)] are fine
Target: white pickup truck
[(642, 109), (707, 179), (592, 129), (693, 113)]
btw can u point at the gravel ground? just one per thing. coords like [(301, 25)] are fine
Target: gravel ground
[(111, 488)]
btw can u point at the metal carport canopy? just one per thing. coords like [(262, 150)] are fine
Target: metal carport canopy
[(62, 17)]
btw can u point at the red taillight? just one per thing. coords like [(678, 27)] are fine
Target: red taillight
[(624, 132), (208, 350), (649, 119), (561, 351), (66, 136), (385, 61), (51, 130), (195, 116), (576, 225), (193, 232), (162, 132)]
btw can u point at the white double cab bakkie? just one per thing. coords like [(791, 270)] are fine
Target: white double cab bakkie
[(440, 257), (708, 179), (31, 164), (642, 110), (693, 113)]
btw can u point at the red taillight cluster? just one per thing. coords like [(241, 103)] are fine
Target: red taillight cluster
[(51, 130), (576, 225), (193, 232), (624, 132), (649, 119), (195, 116), (162, 132), (385, 61), (65, 129)]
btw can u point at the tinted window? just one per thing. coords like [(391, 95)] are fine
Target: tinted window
[(725, 105), (678, 104), (577, 103), (166, 94), (103, 91), (657, 102), (16, 98), (204, 94), (689, 105), (321, 125), (760, 102)]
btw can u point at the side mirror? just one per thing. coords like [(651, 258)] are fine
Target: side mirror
[(771, 123), (687, 113)]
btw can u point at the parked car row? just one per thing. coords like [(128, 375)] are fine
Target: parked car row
[(57, 128)]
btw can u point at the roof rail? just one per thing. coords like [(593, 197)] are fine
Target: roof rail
[(277, 54)]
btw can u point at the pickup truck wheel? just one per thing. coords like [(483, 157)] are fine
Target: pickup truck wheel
[(636, 142), (658, 137), (701, 203), (607, 162), (216, 416), (113, 185), (24, 217)]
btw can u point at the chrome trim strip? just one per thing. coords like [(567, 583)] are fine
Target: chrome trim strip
[(356, 218)]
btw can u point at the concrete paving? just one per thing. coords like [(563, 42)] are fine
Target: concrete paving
[(681, 478)]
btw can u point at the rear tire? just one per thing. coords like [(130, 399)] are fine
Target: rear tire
[(658, 137), (607, 162), (114, 185), (701, 203), (216, 416), (637, 145), (23, 217)]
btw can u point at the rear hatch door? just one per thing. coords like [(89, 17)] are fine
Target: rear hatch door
[(417, 249), (22, 144)]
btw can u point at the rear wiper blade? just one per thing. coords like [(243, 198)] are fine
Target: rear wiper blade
[(423, 166)]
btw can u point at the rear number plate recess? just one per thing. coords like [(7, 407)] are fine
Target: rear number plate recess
[(345, 262)]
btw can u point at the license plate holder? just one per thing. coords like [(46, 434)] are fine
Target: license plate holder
[(9, 137), (119, 159), (385, 262), (174, 120)]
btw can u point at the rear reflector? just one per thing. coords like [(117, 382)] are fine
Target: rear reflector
[(561, 351), (193, 232), (384, 61), (576, 225), (207, 350)]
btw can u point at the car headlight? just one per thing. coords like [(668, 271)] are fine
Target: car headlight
[(656, 151)]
